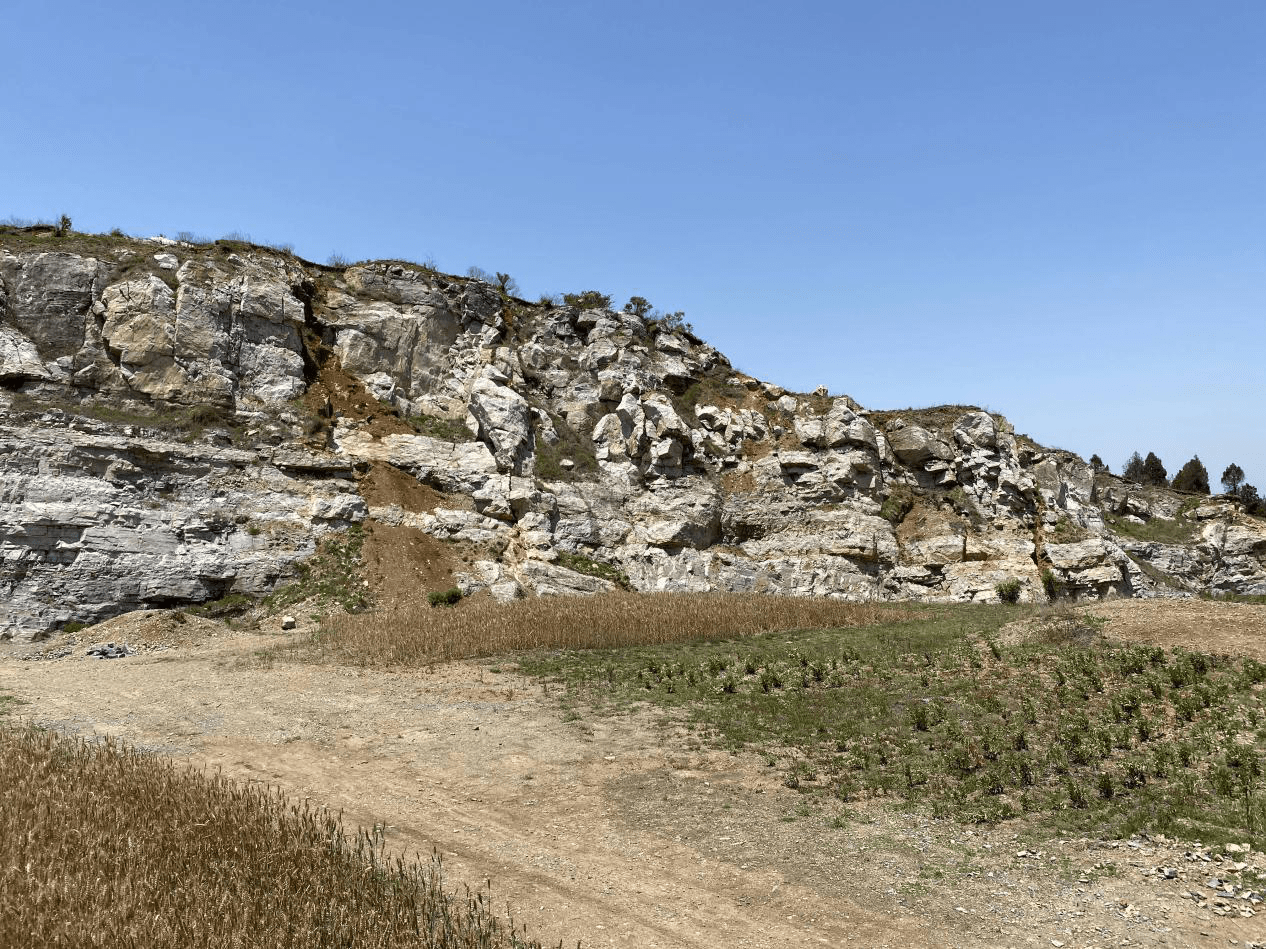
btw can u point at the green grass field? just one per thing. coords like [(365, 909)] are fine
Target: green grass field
[(1062, 730)]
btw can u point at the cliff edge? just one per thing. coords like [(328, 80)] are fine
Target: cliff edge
[(180, 422)]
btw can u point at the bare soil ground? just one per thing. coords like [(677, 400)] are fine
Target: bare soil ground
[(1238, 629), (628, 831), (401, 563)]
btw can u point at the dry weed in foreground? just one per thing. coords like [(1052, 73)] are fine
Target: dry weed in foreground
[(104, 846), (417, 633)]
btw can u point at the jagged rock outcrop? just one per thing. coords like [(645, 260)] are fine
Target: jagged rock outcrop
[(161, 444)]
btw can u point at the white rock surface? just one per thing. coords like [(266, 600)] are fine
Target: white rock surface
[(676, 470)]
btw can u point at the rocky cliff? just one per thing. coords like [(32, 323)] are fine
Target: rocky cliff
[(180, 422)]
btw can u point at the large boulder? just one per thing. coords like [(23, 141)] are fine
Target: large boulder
[(19, 359), (50, 299), (915, 446), (976, 430), (840, 427), (547, 579), (505, 423), (677, 516)]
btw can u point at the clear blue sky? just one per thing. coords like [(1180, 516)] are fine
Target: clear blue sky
[(1054, 210)]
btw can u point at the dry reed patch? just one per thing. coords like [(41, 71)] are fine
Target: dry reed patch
[(106, 846), (415, 633)]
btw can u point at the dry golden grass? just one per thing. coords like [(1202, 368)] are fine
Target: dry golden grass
[(104, 846), (416, 633)]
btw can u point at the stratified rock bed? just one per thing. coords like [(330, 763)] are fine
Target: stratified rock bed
[(185, 422)]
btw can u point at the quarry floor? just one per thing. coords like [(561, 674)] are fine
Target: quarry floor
[(625, 831)]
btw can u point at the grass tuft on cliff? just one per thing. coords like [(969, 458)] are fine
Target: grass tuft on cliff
[(1157, 530), (330, 578)]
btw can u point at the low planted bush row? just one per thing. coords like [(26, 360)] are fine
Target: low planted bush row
[(1073, 731)]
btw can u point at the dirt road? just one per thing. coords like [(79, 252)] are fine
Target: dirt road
[(610, 831)]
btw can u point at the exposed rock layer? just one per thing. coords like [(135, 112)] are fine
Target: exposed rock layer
[(553, 430)]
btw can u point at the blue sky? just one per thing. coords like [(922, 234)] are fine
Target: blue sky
[(1052, 210)]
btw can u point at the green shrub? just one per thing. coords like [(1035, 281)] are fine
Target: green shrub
[(1107, 787), (232, 604), (576, 446), (672, 323), (638, 306), (897, 505), (595, 568), (1158, 530), (445, 429), (1077, 796), (588, 300), (1051, 584), (1008, 590), (449, 597)]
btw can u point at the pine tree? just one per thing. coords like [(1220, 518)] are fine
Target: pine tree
[(1192, 477), (1153, 471), (1253, 503), (1133, 468), (1232, 477), (1097, 463)]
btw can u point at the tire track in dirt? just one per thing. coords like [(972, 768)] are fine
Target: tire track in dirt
[(480, 767)]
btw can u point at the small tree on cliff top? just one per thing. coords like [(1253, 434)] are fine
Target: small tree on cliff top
[(1133, 467), (1153, 471), (1232, 477), (1252, 501), (638, 306), (1192, 477)]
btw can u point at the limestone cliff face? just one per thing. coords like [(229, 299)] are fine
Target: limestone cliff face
[(550, 430)]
